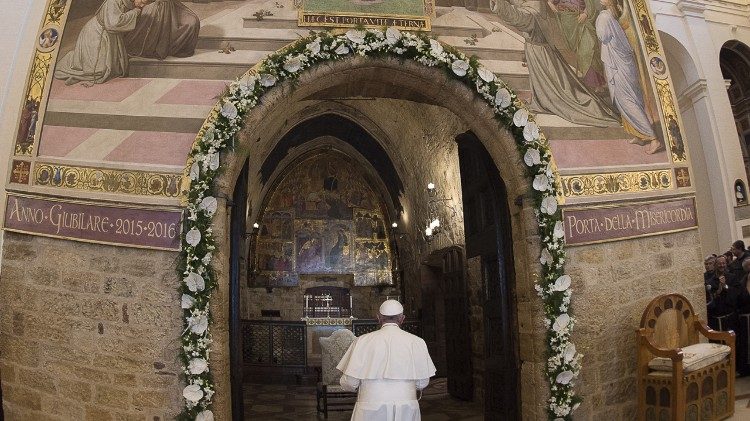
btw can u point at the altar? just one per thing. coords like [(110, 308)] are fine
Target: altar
[(326, 310)]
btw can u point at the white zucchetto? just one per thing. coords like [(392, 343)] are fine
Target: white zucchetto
[(391, 308)]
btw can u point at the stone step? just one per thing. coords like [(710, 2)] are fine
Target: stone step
[(204, 64)]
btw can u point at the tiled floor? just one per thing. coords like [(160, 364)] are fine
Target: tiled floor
[(297, 403)]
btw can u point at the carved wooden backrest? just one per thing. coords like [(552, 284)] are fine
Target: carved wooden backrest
[(668, 320), (333, 349)]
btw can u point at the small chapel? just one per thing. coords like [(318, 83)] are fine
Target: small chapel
[(206, 204)]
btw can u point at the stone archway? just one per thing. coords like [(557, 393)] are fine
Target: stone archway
[(385, 78)]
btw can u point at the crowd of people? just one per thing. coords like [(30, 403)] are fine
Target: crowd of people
[(728, 298)]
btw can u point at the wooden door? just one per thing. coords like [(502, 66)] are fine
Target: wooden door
[(457, 328), (487, 229)]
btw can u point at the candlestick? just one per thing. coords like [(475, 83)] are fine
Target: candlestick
[(350, 305)]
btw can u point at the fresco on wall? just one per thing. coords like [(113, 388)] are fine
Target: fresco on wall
[(327, 231), (404, 14), (123, 84)]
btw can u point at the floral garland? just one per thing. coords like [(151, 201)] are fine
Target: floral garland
[(198, 277)]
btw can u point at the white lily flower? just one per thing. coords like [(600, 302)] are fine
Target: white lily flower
[(532, 157), (341, 50), (503, 98), (549, 205), (565, 377), (521, 117), (562, 283), (561, 322), (267, 80), (195, 282), (193, 237), (356, 36), (197, 366), (460, 67), (531, 131), (192, 393), (195, 170), (206, 415), (198, 324), (392, 36), (229, 110), (293, 64), (541, 182), (209, 204), (213, 161), (559, 231), (488, 77), (187, 301)]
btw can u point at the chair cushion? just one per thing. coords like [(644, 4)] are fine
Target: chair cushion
[(695, 358)]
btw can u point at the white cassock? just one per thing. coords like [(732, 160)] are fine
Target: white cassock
[(388, 366)]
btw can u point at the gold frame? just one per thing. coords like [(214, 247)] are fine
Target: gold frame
[(429, 8)]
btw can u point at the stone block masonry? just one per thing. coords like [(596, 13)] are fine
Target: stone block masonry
[(88, 332)]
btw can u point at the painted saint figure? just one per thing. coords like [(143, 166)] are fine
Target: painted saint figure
[(555, 87), (100, 53), (575, 18), (621, 69), (165, 28)]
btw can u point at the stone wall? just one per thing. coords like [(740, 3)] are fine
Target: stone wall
[(88, 332), (612, 284)]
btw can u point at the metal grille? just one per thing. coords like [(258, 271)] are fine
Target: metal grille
[(274, 343), (364, 326)]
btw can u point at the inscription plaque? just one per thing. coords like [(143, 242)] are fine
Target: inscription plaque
[(617, 222), (96, 223)]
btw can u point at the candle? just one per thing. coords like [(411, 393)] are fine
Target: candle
[(307, 306), (350, 305)]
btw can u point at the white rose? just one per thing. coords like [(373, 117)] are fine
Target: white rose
[(460, 67), (314, 47), (532, 157), (197, 366), (545, 257), (208, 135), (521, 117), (229, 110), (561, 322), (531, 131), (193, 393), (569, 353), (207, 258), (213, 161), (435, 47), (193, 237)]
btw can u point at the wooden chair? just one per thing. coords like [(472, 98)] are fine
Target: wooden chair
[(330, 394), (680, 378)]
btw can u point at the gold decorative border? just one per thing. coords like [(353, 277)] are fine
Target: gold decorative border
[(616, 183), (383, 19), (646, 24), (141, 183), (30, 122), (327, 321), (671, 120)]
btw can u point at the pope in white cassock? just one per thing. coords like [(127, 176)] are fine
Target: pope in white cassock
[(388, 366)]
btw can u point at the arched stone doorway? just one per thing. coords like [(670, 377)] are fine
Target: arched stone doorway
[(334, 89), (734, 60)]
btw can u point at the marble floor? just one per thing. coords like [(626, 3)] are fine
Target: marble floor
[(297, 403)]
